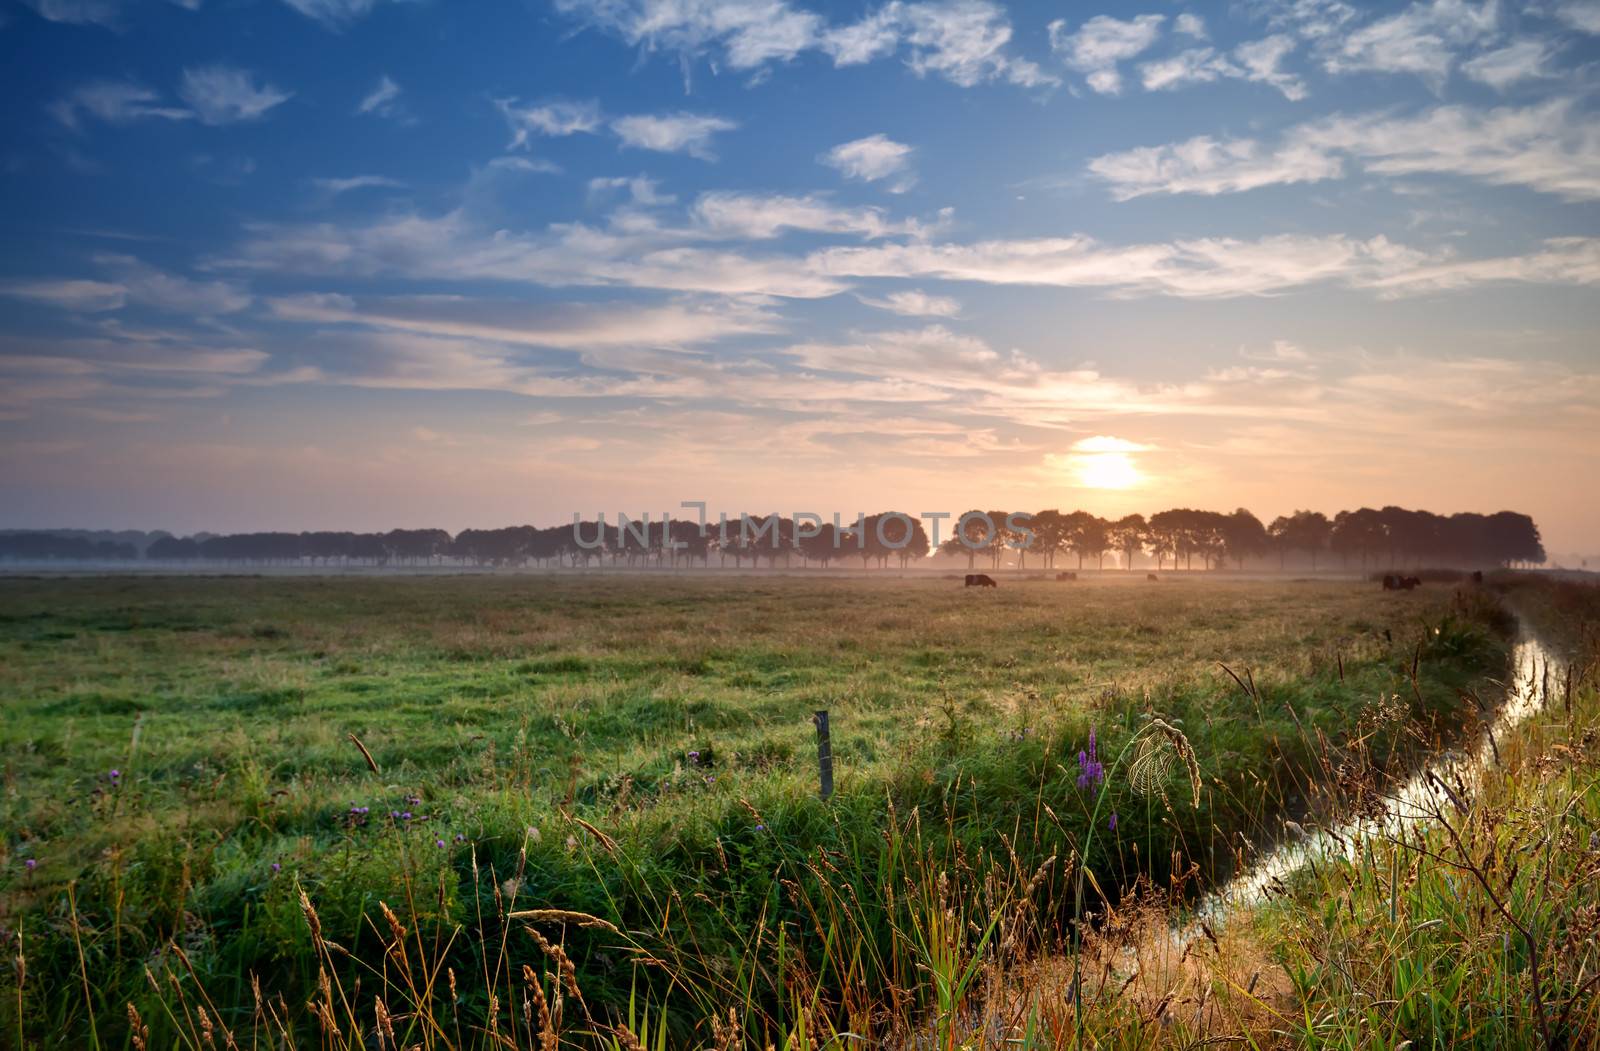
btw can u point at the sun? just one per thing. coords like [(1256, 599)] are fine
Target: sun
[(1106, 471)]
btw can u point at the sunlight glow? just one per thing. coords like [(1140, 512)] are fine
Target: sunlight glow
[(1106, 471)]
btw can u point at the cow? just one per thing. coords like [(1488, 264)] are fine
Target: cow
[(1151, 576), (1477, 576), (1408, 583), (1391, 582), (1067, 576), (980, 580)]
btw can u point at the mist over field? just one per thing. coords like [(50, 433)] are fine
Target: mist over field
[(933, 525)]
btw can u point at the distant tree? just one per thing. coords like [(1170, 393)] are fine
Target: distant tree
[(1050, 535), (1243, 536), (1127, 535)]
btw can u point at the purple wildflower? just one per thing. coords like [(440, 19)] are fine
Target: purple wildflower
[(30, 864), (276, 867), (1112, 824), (1090, 770), (460, 838), (405, 815), (115, 774), (439, 843)]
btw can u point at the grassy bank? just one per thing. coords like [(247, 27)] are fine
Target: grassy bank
[(639, 752)]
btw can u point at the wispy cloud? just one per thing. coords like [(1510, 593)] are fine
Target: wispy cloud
[(1423, 40), (383, 100), (222, 94), (115, 102), (873, 158), (1550, 147), (105, 13), (557, 117), (560, 325), (1096, 47), (689, 133), (131, 281), (963, 41), (914, 303), (1520, 60), (333, 187), (333, 14)]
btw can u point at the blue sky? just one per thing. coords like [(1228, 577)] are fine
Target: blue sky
[(359, 263)]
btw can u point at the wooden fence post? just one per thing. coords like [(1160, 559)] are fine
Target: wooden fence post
[(824, 752)]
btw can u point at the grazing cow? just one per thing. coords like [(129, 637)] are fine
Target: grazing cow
[(1151, 576), (1391, 582), (1066, 576), (1410, 582), (1477, 576), (980, 580)]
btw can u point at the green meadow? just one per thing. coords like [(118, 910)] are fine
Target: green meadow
[(531, 810)]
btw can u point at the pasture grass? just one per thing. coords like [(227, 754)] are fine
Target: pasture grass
[(638, 753)]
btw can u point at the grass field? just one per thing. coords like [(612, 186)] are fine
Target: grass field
[(180, 763)]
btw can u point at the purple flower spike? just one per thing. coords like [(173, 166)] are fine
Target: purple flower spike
[(1112, 824)]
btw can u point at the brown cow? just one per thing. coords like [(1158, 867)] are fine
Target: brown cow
[(1477, 576), (1067, 576), (1391, 582), (980, 580), (1151, 576)]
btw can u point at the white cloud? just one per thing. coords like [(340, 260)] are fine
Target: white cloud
[(383, 100), (152, 287), (115, 102), (227, 95), (1200, 268), (737, 216), (671, 132), (561, 325), (1582, 15), (1199, 65), (133, 282), (334, 187), (523, 166), (1422, 40), (873, 158), (964, 41), (1261, 59), (69, 294), (1315, 20), (914, 303), (1548, 148), (1190, 25), (641, 189), (1256, 60), (1559, 261), (334, 14), (555, 118), (449, 247), (106, 13), (1519, 60), (1102, 42)]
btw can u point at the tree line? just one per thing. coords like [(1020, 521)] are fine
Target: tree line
[(1181, 537)]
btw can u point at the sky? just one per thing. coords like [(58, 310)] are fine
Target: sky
[(357, 264)]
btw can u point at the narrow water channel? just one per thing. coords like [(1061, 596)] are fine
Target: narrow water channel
[(1534, 673)]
